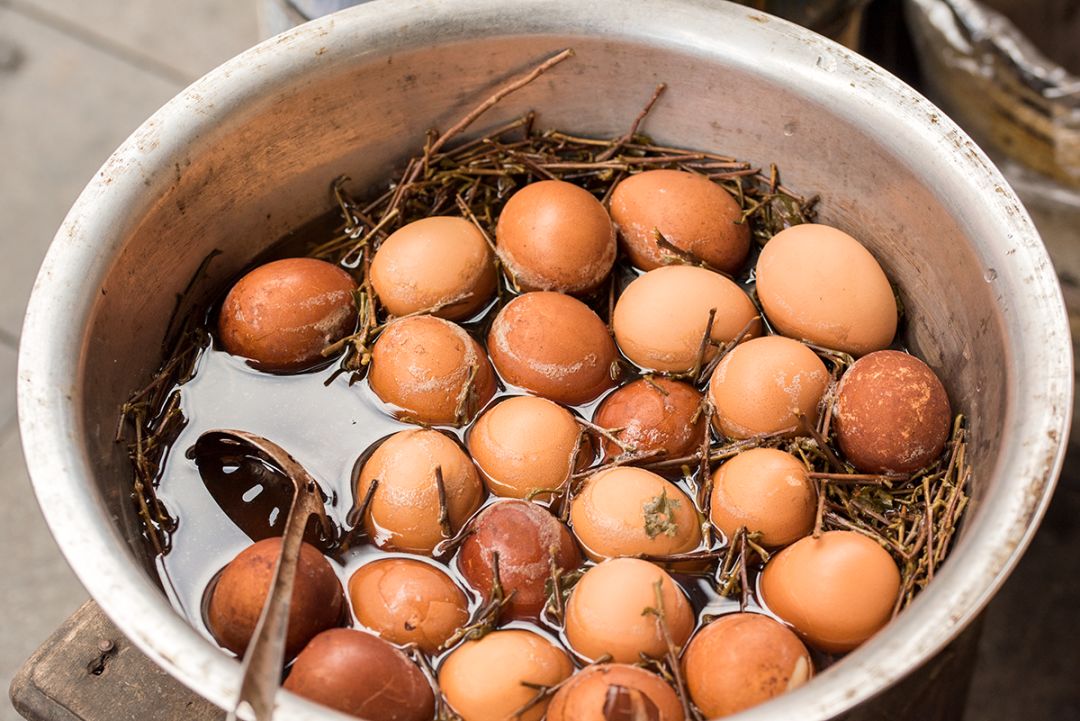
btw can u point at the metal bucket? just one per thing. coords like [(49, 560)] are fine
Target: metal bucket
[(247, 152)]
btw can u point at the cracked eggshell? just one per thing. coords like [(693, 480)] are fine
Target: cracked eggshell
[(660, 318), (820, 285), (627, 511), (892, 414), (836, 590), (237, 597), (282, 314), (554, 235), (741, 660), (767, 491), (692, 213), (525, 443), (606, 611), (763, 385), (554, 346), (431, 262), (404, 511), (526, 537), (655, 414), (421, 365), (408, 601), (363, 676), (482, 679), (615, 691)]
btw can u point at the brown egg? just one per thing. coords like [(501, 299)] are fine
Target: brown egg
[(363, 676), (626, 511), (892, 413), (431, 370), (743, 659), (404, 512), (764, 490), (765, 385), (237, 598), (440, 265), (660, 318), (820, 285), (657, 414), (554, 235), (553, 345), (526, 538), (408, 601), (615, 692), (483, 680), (836, 590), (281, 315), (524, 444), (606, 613), (692, 213)]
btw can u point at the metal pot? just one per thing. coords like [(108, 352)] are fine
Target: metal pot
[(246, 153)]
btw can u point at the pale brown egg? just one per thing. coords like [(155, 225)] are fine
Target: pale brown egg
[(837, 590), (691, 212), (553, 345), (627, 511), (660, 318), (767, 385), (741, 660), (524, 444), (820, 285), (606, 613), (431, 371), (408, 601), (554, 235), (764, 490), (363, 676), (655, 414), (527, 539), (237, 598), (282, 315), (404, 511), (615, 692), (440, 265), (892, 413), (483, 680)]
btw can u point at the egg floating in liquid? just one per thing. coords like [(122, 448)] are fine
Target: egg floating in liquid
[(578, 523)]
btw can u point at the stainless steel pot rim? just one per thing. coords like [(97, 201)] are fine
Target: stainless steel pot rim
[(50, 353)]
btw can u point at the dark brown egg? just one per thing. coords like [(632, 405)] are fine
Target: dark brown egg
[(404, 510), (615, 692), (553, 345), (484, 680), (238, 596), (440, 265), (743, 659), (408, 601), (892, 413), (504, 443), (281, 315), (554, 235), (836, 590), (431, 371), (692, 213), (363, 676), (655, 414), (526, 538), (607, 611)]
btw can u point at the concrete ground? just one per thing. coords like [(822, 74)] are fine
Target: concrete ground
[(76, 77)]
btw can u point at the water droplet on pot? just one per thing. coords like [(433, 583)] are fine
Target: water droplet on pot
[(790, 128), (990, 275), (826, 63)]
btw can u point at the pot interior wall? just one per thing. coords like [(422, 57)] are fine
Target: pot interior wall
[(266, 168)]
